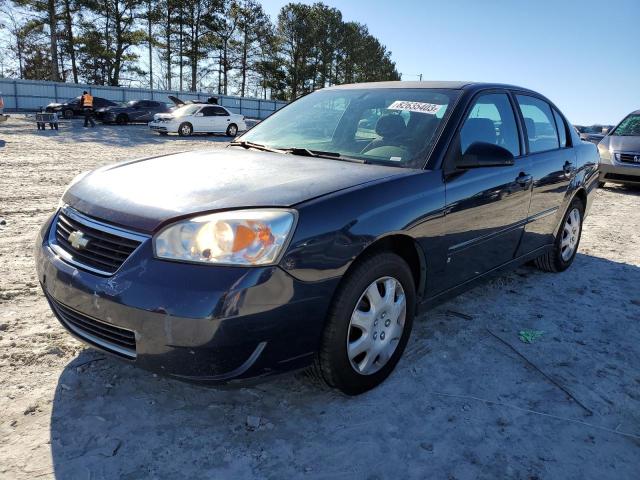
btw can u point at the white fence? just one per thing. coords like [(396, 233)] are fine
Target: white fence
[(30, 95)]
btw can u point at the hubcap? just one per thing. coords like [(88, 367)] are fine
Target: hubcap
[(570, 234), (232, 131), (376, 325), (185, 129)]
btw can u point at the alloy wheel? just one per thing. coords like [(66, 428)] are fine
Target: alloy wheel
[(570, 234), (376, 325)]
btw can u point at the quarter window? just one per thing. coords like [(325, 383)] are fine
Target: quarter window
[(539, 124), (562, 129), (491, 120)]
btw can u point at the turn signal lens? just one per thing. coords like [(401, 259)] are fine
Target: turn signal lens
[(239, 237)]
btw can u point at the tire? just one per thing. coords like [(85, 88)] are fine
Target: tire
[(68, 114), (558, 259), (338, 361), (122, 119), (232, 130), (185, 129)]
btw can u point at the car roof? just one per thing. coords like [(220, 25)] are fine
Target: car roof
[(452, 85)]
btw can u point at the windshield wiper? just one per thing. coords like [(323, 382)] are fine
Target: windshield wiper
[(305, 152), (257, 146)]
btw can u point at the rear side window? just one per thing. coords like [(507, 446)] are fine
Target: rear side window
[(562, 129), (219, 111), (491, 120), (208, 111), (539, 124)]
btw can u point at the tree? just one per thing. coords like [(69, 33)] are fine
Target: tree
[(107, 38)]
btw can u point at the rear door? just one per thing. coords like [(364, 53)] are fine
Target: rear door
[(486, 208), (552, 166), (223, 119)]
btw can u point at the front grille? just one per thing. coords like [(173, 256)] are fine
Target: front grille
[(104, 248), (630, 158), (95, 332)]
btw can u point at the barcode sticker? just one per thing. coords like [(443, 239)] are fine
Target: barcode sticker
[(430, 108)]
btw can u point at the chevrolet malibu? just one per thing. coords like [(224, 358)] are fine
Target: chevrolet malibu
[(316, 237)]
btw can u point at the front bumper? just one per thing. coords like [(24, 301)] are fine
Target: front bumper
[(197, 323), (616, 173), (168, 127)]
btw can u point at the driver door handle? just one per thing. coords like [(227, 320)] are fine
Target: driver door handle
[(524, 179)]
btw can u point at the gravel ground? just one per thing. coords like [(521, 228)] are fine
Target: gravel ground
[(462, 404)]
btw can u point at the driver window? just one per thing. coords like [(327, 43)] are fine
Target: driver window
[(491, 120)]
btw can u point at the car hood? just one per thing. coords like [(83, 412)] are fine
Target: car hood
[(144, 194), (618, 143)]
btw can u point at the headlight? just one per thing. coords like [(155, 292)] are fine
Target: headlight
[(239, 237)]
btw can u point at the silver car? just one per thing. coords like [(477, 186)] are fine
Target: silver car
[(620, 152)]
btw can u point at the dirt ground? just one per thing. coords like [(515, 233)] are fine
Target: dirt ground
[(462, 404)]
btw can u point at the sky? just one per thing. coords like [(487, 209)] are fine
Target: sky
[(583, 55)]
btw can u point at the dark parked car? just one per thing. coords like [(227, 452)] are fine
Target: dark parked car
[(140, 111), (72, 106), (620, 152), (297, 247)]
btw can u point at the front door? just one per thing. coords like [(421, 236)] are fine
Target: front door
[(486, 207), (552, 168)]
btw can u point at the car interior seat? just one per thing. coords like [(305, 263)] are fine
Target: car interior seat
[(391, 128)]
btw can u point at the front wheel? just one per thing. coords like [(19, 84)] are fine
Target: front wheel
[(68, 114), (567, 241), (368, 325), (232, 130), (185, 129), (122, 119)]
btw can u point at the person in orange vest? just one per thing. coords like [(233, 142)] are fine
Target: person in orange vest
[(86, 101)]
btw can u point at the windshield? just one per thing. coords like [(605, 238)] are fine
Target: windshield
[(391, 126), (630, 126), (185, 110)]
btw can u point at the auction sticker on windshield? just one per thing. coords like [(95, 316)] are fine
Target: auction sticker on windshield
[(419, 107)]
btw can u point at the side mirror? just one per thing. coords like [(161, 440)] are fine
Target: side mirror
[(483, 154), (199, 114)]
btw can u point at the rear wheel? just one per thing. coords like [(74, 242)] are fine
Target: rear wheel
[(567, 241), (232, 130), (368, 325), (67, 114), (185, 129)]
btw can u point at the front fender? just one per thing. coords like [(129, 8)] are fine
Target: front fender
[(335, 229)]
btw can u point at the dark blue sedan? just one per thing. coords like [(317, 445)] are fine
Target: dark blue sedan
[(314, 238)]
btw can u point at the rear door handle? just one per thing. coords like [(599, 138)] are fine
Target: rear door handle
[(524, 179)]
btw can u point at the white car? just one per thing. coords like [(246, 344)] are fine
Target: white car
[(198, 118)]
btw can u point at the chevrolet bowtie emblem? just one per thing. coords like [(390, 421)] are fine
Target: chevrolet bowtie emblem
[(77, 240)]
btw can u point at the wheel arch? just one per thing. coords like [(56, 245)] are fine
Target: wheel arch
[(405, 247)]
